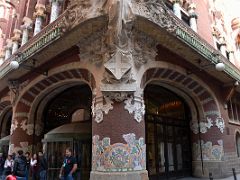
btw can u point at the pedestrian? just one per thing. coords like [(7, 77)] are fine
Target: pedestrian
[(20, 165), (42, 166), (2, 161), (8, 166), (69, 166), (34, 166), (28, 159)]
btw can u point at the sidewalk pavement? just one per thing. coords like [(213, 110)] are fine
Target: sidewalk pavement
[(228, 178)]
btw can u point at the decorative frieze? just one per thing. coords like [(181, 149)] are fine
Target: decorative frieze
[(208, 151), (118, 157)]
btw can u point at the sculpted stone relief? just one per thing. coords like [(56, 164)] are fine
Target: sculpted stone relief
[(119, 157)]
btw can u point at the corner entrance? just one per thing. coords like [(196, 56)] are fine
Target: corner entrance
[(167, 134)]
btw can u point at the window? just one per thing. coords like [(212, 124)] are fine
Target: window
[(238, 143), (234, 109), (184, 13)]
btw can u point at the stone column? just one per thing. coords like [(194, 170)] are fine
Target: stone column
[(119, 149), (39, 15), (223, 46), (15, 40), (177, 8), (193, 16), (8, 49), (55, 9), (25, 29)]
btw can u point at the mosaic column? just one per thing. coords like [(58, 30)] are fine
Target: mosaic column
[(118, 149), (177, 8), (15, 40), (8, 49), (55, 9), (25, 29), (39, 15), (193, 16)]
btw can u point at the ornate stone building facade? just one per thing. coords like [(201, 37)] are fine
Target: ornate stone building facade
[(140, 89)]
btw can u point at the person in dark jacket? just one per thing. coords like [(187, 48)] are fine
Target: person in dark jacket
[(27, 155), (2, 161), (20, 166), (42, 166)]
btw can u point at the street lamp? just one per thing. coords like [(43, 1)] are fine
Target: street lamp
[(220, 66)]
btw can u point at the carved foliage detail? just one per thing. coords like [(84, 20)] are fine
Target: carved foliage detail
[(99, 107), (135, 106)]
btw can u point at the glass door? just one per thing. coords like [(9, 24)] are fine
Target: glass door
[(168, 149)]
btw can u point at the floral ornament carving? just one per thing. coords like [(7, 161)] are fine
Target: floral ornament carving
[(144, 48), (78, 10), (119, 157), (93, 48), (29, 128), (156, 11), (117, 96), (204, 126), (135, 106), (14, 126), (220, 124), (98, 108)]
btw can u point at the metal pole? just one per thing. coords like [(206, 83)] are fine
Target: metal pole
[(210, 176), (234, 174)]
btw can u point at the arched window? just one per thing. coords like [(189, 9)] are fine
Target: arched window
[(238, 143)]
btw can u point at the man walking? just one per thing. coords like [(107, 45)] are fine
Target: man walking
[(69, 166)]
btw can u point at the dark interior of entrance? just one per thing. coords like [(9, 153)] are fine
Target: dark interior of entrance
[(167, 134), (68, 124)]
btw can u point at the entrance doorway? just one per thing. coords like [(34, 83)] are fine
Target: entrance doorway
[(68, 124), (167, 134)]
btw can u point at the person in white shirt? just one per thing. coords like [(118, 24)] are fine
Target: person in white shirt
[(34, 166), (8, 166)]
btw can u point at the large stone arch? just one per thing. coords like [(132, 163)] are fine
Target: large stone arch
[(177, 76), (23, 118)]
